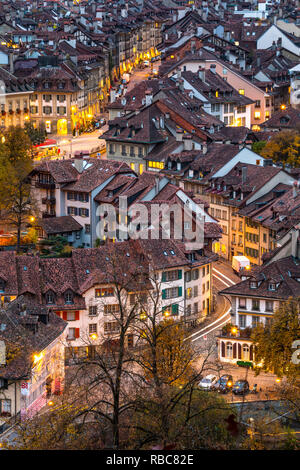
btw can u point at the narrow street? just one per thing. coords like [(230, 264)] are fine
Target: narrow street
[(224, 276), (90, 141)]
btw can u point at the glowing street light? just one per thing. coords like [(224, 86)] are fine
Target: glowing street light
[(50, 403), (283, 107), (278, 380), (37, 357), (32, 218), (93, 336), (234, 330)]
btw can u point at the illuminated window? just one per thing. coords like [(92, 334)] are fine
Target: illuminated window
[(217, 94), (132, 166), (241, 91), (257, 115), (159, 165), (104, 292), (267, 114)]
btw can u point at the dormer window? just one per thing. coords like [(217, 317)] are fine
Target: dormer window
[(272, 286), (253, 284), (50, 298), (69, 297)]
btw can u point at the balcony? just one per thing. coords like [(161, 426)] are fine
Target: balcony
[(49, 200)]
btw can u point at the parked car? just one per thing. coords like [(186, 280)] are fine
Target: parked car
[(102, 122), (207, 382), (224, 384), (241, 387)]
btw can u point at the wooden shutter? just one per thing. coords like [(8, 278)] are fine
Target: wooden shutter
[(76, 332), (179, 291), (179, 274), (64, 315), (77, 315), (163, 277), (164, 294), (175, 309), (223, 348), (234, 351), (239, 351), (251, 352)]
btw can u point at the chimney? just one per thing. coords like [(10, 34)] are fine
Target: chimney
[(112, 95), (178, 72), (187, 142), (258, 61), (156, 185), (295, 189), (294, 247), (244, 174), (11, 62), (213, 68), (2, 353), (179, 135), (201, 73), (78, 162), (149, 97), (193, 46)]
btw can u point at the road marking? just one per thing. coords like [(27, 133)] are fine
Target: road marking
[(226, 284), (225, 277), (218, 326), (211, 324)]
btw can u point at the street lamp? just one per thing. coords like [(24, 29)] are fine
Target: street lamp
[(234, 330)]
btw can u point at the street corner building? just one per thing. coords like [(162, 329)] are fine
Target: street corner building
[(31, 359), (255, 299)]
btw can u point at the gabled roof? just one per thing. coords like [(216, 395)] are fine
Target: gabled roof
[(26, 343), (285, 272)]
